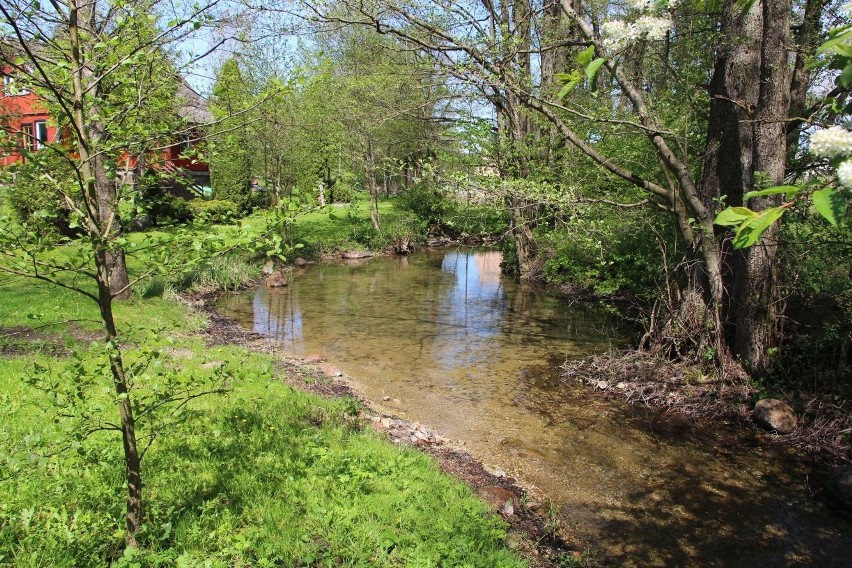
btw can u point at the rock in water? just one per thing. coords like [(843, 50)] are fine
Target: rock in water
[(355, 255), (505, 501), (269, 267), (773, 414), (277, 280), (840, 485), (300, 262)]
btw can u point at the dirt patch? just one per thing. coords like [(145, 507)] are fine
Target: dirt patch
[(20, 340), (529, 532), (686, 389)]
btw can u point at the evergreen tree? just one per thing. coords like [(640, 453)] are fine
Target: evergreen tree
[(230, 159)]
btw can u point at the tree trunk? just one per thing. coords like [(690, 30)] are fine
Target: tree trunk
[(100, 199), (132, 459), (746, 150), (372, 187)]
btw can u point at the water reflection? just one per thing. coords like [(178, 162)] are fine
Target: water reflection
[(455, 345)]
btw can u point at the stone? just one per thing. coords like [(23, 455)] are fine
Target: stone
[(603, 385), (330, 371), (269, 267), (495, 471), (356, 254), (315, 358), (505, 501), (386, 422), (300, 262), (839, 484), (277, 279), (385, 398), (773, 414)]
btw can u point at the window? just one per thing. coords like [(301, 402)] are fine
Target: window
[(27, 138), (40, 134), (11, 88)]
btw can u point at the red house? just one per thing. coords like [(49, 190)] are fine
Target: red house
[(24, 119)]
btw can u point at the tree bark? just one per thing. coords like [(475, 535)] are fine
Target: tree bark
[(746, 150)]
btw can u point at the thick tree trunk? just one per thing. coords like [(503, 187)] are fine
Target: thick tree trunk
[(746, 149)]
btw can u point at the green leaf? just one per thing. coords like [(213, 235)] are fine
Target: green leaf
[(567, 88), (845, 79), (835, 41), (788, 190), (733, 216), (585, 56), (593, 67), (745, 6), (749, 233), (830, 205)]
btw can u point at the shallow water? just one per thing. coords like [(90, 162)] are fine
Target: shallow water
[(474, 355)]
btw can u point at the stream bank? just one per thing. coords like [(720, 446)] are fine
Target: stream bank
[(532, 530)]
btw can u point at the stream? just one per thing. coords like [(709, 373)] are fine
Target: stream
[(443, 339)]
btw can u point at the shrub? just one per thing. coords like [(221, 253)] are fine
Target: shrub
[(213, 211), (37, 200), (429, 202)]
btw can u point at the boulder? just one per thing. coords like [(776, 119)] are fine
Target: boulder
[(839, 484), (277, 279), (300, 262), (773, 414)]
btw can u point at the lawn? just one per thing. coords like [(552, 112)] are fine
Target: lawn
[(254, 474)]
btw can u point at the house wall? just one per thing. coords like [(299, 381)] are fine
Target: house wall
[(23, 117)]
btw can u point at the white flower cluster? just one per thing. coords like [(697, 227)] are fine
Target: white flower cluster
[(619, 33), (834, 142), (640, 5), (844, 174)]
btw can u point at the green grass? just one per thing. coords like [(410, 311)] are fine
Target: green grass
[(263, 475)]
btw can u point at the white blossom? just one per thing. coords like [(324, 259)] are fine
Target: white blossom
[(832, 142), (844, 174), (653, 27), (617, 33), (847, 9), (640, 5)]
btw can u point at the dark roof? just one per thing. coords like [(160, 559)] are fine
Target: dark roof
[(191, 106)]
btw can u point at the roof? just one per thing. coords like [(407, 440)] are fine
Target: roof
[(192, 107)]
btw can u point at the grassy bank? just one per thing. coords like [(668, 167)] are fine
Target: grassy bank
[(257, 474)]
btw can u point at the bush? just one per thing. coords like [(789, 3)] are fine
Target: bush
[(429, 202), (152, 204), (214, 211), (37, 201)]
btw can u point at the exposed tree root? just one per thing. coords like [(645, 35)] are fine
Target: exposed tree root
[(824, 431)]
